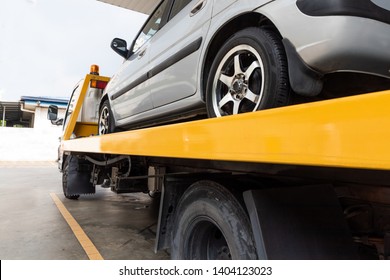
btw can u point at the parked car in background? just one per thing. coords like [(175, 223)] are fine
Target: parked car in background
[(230, 57)]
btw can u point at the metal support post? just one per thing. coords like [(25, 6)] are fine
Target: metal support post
[(3, 122)]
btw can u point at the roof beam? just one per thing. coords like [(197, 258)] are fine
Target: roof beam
[(145, 6), (2, 124)]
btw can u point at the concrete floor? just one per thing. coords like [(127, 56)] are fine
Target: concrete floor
[(32, 228)]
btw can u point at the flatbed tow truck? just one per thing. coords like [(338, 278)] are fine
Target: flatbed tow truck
[(308, 181)]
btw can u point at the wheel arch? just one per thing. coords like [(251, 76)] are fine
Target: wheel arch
[(240, 22), (104, 98)]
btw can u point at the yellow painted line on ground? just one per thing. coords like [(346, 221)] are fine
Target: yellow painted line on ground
[(85, 242)]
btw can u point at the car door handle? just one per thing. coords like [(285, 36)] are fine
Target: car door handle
[(141, 53), (197, 7)]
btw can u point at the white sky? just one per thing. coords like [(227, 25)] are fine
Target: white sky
[(47, 46)]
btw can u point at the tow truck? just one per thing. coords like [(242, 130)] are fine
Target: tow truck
[(311, 181)]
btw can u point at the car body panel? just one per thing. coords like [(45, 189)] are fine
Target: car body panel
[(167, 82), (333, 43), (179, 43), (134, 100), (220, 6)]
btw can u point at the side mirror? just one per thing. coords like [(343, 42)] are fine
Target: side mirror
[(52, 113), (58, 122), (120, 47)]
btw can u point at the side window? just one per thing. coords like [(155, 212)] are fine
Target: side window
[(178, 6), (151, 27), (69, 108)]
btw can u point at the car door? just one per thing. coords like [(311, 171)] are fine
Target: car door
[(175, 51), (130, 89)]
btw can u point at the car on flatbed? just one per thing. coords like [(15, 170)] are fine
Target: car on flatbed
[(193, 58)]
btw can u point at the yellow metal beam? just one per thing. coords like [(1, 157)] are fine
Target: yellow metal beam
[(351, 132), (70, 128), (83, 129)]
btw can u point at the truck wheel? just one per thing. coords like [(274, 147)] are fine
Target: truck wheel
[(211, 224), (106, 121), (65, 173), (248, 74)]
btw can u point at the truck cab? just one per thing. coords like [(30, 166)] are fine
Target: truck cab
[(88, 92)]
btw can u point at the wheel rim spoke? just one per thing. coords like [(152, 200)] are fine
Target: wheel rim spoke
[(237, 65), (226, 99), (226, 79), (102, 126), (236, 106), (251, 96), (104, 121), (251, 68)]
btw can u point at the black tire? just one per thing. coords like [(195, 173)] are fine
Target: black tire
[(65, 173), (249, 73), (106, 120), (211, 224)]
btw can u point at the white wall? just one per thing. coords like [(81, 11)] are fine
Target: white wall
[(40, 117), (31, 144)]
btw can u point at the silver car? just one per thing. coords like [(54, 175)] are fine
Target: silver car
[(214, 57)]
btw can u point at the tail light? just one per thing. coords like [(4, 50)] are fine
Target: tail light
[(98, 84)]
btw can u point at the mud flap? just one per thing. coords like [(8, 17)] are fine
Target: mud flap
[(299, 223), (78, 177)]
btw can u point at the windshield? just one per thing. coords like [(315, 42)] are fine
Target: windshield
[(71, 104)]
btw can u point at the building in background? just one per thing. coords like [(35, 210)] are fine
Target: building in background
[(30, 111), (25, 132)]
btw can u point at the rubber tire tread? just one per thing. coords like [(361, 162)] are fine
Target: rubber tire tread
[(65, 181), (212, 201)]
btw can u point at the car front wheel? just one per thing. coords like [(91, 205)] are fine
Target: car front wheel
[(248, 74), (106, 121)]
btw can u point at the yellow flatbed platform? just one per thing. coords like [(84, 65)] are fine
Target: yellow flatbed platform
[(351, 132), (308, 181)]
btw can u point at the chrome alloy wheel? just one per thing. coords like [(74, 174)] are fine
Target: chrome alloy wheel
[(238, 84), (104, 121)]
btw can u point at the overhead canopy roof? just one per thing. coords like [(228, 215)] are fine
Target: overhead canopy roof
[(21, 112), (145, 6), (30, 102), (10, 111)]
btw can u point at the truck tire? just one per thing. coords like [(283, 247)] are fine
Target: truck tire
[(249, 73), (65, 173), (76, 177), (210, 223)]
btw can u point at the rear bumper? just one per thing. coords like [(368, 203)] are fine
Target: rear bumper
[(333, 43)]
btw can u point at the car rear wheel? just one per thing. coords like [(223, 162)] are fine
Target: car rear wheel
[(106, 121), (248, 74)]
